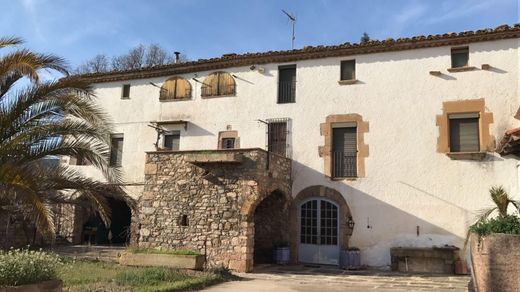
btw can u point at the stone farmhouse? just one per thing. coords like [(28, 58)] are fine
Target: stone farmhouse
[(375, 145)]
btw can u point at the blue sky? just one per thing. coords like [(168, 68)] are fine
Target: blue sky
[(78, 30)]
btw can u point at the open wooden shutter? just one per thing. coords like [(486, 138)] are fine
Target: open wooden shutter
[(226, 84), (168, 89)]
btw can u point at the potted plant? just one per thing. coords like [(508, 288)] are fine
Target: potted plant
[(281, 253), (350, 258), (495, 245)]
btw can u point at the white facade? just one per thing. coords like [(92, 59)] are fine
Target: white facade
[(411, 195)]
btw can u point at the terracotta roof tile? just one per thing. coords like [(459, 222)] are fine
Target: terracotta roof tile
[(312, 52)]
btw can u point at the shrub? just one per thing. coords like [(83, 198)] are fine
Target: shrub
[(22, 266), (508, 224)]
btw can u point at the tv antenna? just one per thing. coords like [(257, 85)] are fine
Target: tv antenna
[(292, 19)]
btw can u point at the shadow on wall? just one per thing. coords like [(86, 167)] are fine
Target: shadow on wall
[(409, 217)]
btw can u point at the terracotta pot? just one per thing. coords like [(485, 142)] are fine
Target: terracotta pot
[(495, 262)]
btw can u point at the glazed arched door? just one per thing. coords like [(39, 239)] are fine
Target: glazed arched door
[(319, 232)]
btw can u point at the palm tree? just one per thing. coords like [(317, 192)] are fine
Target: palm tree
[(502, 202), (42, 119)]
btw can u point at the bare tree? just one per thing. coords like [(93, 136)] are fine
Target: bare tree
[(95, 65), (155, 55), (138, 57)]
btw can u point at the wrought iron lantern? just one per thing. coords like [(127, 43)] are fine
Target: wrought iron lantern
[(350, 225)]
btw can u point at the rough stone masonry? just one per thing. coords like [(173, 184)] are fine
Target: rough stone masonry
[(205, 201)]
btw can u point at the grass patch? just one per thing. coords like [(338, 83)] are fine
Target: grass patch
[(85, 275), (162, 251)]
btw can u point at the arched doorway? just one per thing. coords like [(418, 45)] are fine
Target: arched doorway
[(271, 226), (319, 230), (95, 232)]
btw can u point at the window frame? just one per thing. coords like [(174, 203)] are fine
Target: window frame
[(344, 125), (459, 50), (171, 133), (465, 116), (342, 64), (113, 161), (128, 86), (224, 140), (292, 98)]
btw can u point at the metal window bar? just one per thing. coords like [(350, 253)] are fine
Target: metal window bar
[(344, 164), (287, 91), (277, 137)]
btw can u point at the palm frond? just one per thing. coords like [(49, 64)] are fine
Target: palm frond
[(10, 41)]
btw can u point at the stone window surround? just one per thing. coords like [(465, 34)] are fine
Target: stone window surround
[(486, 140), (326, 149), (228, 134), (317, 191)]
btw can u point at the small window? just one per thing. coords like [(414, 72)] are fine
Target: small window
[(464, 132), (228, 143), (125, 91), (344, 150), (348, 70), (116, 150), (171, 140), (459, 57), (287, 84), (218, 84), (183, 220)]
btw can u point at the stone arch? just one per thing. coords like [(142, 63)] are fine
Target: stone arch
[(317, 191)]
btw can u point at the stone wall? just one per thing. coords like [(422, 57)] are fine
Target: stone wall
[(205, 201)]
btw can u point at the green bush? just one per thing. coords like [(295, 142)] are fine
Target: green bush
[(509, 224), (22, 266)]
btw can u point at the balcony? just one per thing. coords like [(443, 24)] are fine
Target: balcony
[(286, 91), (344, 164)]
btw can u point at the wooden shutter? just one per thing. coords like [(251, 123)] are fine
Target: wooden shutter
[(182, 89), (226, 84), (277, 138), (464, 134), (168, 89), (348, 70), (210, 86)]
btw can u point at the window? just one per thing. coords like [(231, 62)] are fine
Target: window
[(459, 57), (175, 88), (348, 70), (125, 94), (218, 84), (183, 220), (277, 137), (228, 143), (464, 132), (116, 150), (287, 84), (344, 150), (171, 140)]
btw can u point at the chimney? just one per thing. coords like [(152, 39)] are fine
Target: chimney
[(177, 57)]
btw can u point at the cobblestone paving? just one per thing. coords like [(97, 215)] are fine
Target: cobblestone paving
[(300, 278)]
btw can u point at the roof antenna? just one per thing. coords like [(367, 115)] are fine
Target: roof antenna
[(292, 19)]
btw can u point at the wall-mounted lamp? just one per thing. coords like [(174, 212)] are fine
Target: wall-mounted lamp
[(350, 225)]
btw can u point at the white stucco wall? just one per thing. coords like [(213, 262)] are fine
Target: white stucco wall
[(407, 183)]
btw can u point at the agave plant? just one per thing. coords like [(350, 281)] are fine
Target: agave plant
[(41, 119)]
